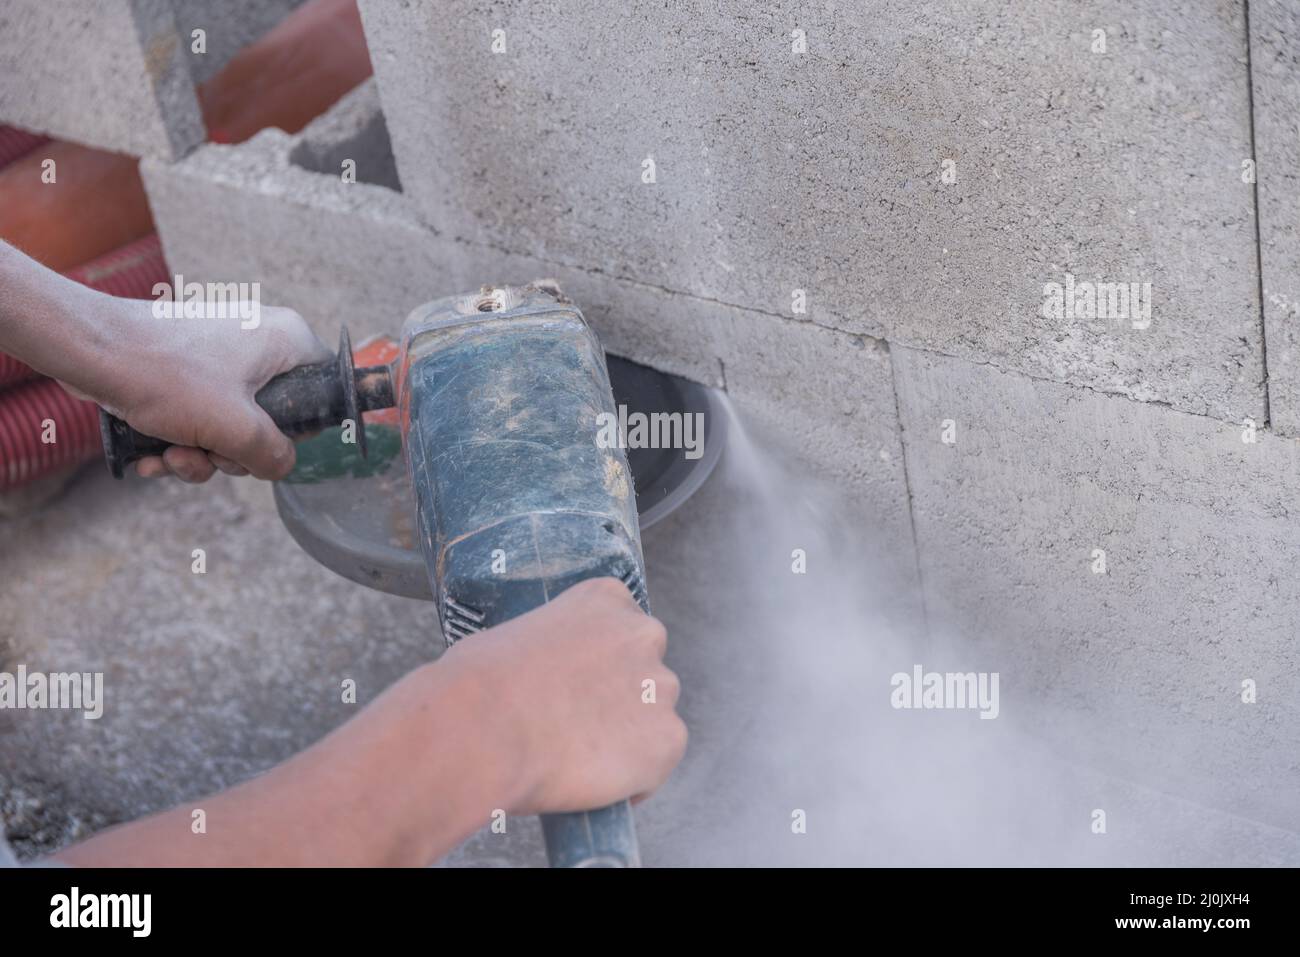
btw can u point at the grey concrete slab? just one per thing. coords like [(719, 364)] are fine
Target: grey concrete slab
[(356, 253), (339, 252), (1142, 664), (822, 171), (113, 74), (1275, 71)]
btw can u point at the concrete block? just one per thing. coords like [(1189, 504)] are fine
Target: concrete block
[(358, 253), (246, 213), (1138, 667), (822, 171), (1275, 71), (113, 74)]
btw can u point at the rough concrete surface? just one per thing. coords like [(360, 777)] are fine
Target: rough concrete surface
[(1146, 660), (821, 171), (113, 74), (1275, 70), (357, 253)]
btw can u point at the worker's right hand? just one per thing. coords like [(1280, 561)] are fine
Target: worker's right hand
[(578, 696)]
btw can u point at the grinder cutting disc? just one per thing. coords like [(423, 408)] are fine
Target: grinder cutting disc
[(353, 515)]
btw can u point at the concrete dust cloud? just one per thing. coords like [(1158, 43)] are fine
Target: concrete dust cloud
[(809, 731)]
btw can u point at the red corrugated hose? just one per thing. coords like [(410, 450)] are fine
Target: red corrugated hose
[(34, 412)]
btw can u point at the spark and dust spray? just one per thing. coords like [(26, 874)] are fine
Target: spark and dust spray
[(803, 753)]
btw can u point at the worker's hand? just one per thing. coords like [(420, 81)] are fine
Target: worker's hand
[(565, 694), (191, 381)]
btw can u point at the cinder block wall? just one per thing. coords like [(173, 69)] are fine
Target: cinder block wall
[(918, 176), (849, 215), (778, 170)]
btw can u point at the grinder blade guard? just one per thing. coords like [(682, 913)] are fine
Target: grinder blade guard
[(501, 396)]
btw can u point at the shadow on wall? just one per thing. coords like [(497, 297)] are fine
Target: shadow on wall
[(363, 143)]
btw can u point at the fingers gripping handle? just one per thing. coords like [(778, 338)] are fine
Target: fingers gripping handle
[(604, 838), (302, 400)]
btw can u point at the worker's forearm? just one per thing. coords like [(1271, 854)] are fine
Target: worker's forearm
[(401, 784), (57, 326)]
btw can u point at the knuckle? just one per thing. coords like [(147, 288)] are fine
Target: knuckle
[(257, 445), (280, 459), (678, 737), (180, 462), (653, 631), (612, 587), (279, 342), (603, 589)]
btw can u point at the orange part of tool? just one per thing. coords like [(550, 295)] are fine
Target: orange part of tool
[(377, 351)]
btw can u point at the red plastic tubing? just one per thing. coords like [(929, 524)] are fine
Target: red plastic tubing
[(42, 430)]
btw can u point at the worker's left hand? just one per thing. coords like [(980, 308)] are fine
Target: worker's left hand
[(579, 705), (191, 381)]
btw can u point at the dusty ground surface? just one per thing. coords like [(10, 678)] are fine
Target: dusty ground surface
[(212, 678)]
